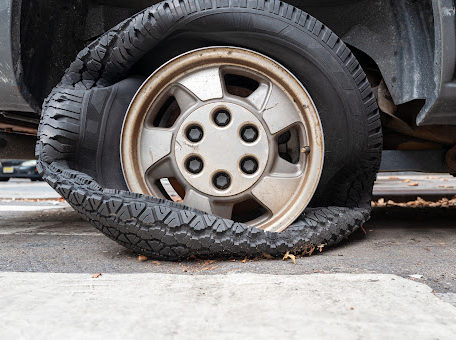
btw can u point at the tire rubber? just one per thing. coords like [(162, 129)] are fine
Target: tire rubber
[(167, 230)]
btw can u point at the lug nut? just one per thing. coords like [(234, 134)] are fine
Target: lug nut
[(249, 133), (194, 133), (222, 117), (221, 180), (249, 165), (194, 164)]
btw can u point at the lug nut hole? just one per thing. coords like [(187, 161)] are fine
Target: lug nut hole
[(194, 164), (221, 180), (249, 165), (221, 117), (194, 133), (249, 133)]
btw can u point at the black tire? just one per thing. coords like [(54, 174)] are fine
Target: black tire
[(90, 90)]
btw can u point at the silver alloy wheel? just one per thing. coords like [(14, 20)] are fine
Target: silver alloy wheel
[(233, 133)]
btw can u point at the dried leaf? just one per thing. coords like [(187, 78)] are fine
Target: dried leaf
[(96, 276), (309, 250), (289, 256), (268, 256), (156, 262), (418, 203), (321, 246), (142, 258), (244, 260), (413, 184)]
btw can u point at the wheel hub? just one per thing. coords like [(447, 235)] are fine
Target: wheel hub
[(227, 131), (222, 148)]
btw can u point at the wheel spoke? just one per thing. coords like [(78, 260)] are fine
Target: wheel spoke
[(205, 84), (184, 98), (275, 192), (222, 209), (259, 96), (198, 201), (155, 145), (161, 169), (280, 112), (284, 168)]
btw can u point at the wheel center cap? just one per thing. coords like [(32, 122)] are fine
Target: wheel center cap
[(231, 154)]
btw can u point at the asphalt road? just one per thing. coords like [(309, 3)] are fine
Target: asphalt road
[(40, 233), (407, 257), (53, 238)]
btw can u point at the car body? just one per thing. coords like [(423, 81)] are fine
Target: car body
[(411, 46), (16, 168)]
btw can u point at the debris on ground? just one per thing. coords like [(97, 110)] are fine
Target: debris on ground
[(418, 203), (309, 251), (416, 276), (289, 256), (208, 265), (142, 258), (199, 266), (96, 276)]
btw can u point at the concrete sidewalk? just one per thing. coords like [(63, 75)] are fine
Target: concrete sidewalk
[(232, 306), (403, 186)]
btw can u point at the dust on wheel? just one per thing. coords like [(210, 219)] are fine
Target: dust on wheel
[(211, 125)]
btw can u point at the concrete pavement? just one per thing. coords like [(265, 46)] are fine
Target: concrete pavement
[(408, 185), (233, 306), (25, 189)]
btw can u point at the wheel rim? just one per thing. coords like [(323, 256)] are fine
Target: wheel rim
[(229, 131)]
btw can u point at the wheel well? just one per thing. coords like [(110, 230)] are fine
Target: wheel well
[(53, 31)]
